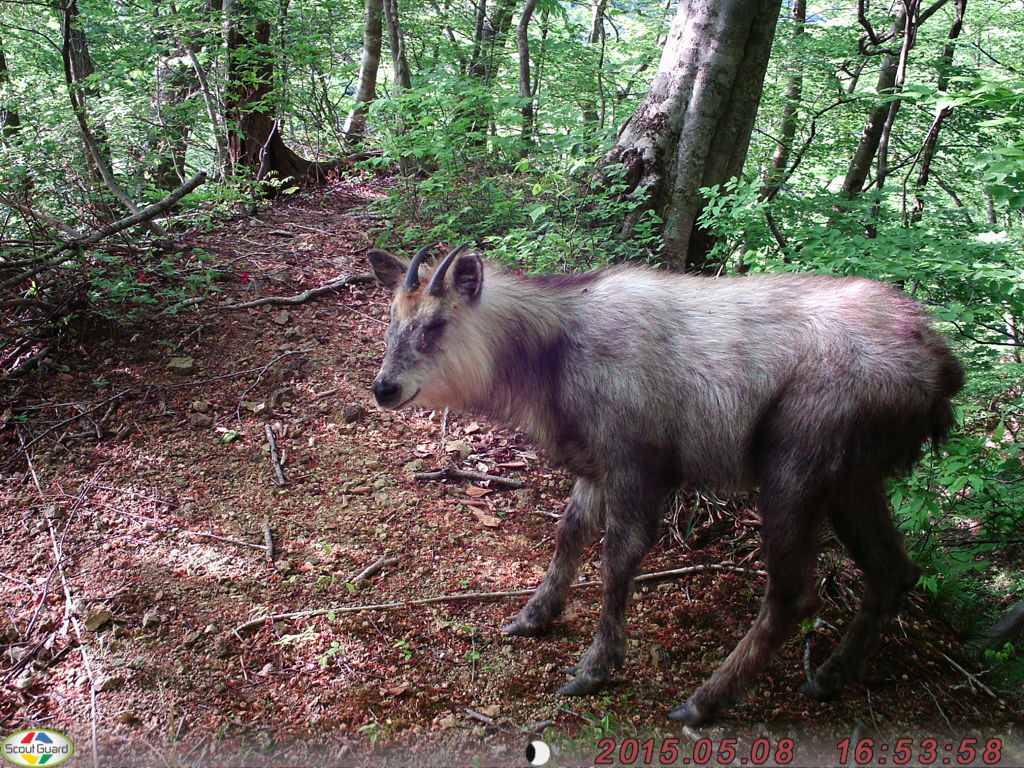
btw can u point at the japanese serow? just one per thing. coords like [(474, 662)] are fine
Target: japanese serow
[(812, 389)]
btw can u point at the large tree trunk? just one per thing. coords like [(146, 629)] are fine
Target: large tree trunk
[(254, 135), (693, 128), (355, 126)]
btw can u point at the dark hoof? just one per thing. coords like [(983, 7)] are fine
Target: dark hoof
[(582, 685), (818, 690), (690, 714), (523, 629)]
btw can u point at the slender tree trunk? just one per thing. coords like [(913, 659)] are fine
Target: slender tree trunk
[(941, 112), (10, 118), (790, 107), (693, 128), (175, 84), (491, 31), (881, 114), (525, 90), (595, 40), (355, 126), (79, 68), (75, 56), (396, 41)]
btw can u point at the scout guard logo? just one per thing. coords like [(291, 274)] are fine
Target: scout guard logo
[(39, 747)]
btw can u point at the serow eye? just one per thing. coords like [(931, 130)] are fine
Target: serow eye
[(431, 334)]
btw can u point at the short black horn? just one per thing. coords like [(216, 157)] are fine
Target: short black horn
[(412, 276), (436, 286)]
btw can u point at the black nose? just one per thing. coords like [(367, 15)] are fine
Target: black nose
[(386, 391)]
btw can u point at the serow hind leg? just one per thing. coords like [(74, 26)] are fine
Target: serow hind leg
[(790, 548), (863, 524)]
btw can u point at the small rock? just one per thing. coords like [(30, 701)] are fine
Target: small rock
[(353, 414), (282, 317), (181, 365), (151, 620), (525, 497), (414, 466), (491, 710), (200, 406), (460, 447), (478, 731), (283, 566), (127, 717), (53, 512), (107, 683), (268, 669), (253, 406), (192, 638), (222, 647), (448, 721), (660, 658), (97, 618), (211, 629), (25, 682), (200, 420)]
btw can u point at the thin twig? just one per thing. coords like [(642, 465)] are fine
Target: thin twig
[(484, 595), (369, 572), (972, 679), (275, 457), (449, 473)]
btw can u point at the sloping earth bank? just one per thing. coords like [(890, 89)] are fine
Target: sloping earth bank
[(140, 529)]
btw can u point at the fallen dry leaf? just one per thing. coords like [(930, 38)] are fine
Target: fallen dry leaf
[(488, 520)]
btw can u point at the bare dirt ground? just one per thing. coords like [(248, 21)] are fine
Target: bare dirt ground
[(133, 544)]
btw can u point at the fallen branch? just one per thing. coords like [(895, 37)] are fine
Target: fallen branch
[(56, 254), (450, 473), (369, 572), (483, 595), (185, 303), (299, 298), (275, 457), (268, 539)]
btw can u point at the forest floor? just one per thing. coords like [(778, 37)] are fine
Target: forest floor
[(133, 544)]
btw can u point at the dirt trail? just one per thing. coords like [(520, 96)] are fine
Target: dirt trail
[(160, 523)]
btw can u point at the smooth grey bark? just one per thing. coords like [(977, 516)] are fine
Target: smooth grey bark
[(396, 41), (787, 120), (355, 125), (525, 89), (693, 128), (594, 111)]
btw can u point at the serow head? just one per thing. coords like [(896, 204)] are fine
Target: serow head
[(428, 339)]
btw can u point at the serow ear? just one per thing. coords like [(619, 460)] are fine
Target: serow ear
[(388, 269), (468, 276)]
